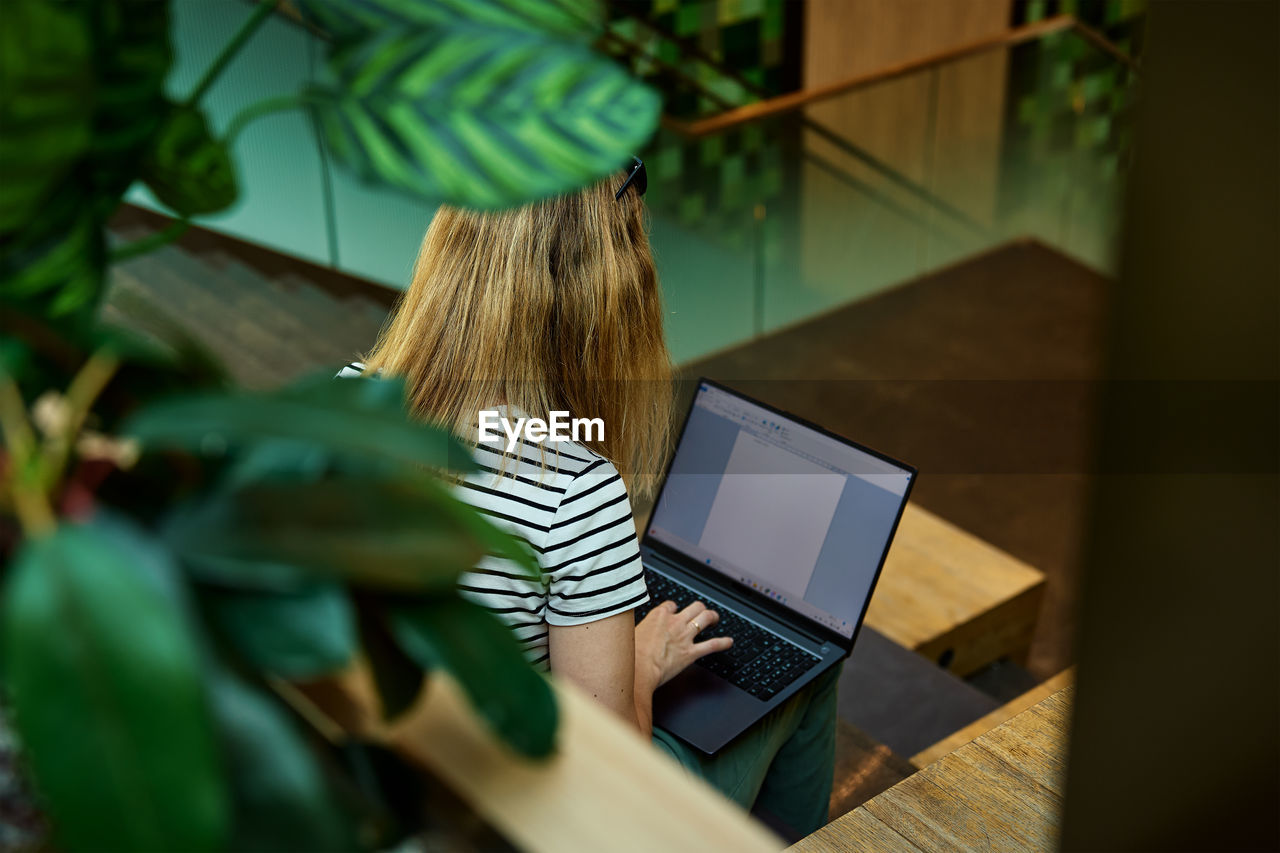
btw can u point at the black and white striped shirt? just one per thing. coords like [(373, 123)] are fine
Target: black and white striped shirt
[(576, 515)]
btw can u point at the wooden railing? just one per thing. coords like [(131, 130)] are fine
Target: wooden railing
[(605, 788), (793, 101)]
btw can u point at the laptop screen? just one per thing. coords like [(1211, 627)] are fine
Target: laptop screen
[(780, 507)]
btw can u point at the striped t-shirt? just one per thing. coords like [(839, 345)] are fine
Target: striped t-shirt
[(576, 515)]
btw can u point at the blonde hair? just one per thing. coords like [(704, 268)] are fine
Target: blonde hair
[(552, 306)]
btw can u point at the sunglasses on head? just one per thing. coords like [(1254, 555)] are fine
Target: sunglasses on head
[(636, 178)]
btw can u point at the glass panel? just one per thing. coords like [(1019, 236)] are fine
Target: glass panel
[(772, 221)]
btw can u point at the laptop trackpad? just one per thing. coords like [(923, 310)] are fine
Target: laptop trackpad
[(704, 709)]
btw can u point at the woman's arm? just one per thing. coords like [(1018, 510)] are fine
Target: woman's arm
[(600, 658), (621, 663)]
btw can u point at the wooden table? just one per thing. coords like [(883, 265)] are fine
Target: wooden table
[(1001, 792)]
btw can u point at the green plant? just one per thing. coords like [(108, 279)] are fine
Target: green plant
[(156, 605)]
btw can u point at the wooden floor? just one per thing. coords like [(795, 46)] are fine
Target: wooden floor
[(1001, 792), (268, 318)]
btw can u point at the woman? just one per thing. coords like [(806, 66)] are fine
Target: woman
[(555, 306)]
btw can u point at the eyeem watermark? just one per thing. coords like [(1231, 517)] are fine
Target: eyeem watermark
[(560, 428)]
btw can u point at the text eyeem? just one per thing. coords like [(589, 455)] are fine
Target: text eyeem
[(559, 428)]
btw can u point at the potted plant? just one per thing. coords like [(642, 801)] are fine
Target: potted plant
[(183, 562)]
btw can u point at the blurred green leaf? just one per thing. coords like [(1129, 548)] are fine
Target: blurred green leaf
[(496, 542), (151, 560), (56, 266), (484, 657), (282, 460), (372, 532), (481, 117), (281, 799), (398, 677), (398, 799), (105, 683), (80, 95), (15, 357), (357, 417), (47, 83), (187, 168), (352, 20), (296, 635), (133, 55)]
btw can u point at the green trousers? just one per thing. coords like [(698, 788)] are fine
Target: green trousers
[(783, 764)]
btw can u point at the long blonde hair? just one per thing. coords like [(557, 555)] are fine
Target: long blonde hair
[(552, 306)]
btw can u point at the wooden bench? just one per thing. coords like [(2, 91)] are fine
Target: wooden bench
[(1001, 792), (952, 597)]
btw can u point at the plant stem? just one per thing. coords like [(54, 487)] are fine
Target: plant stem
[(31, 504), (81, 394), (258, 110), (171, 232), (265, 8), (265, 108)]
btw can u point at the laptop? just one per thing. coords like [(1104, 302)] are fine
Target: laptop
[(781, 527)]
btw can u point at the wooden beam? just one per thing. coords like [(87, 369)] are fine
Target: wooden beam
[(605, 789)]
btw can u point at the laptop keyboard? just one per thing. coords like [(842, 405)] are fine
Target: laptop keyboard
[(759, 661)]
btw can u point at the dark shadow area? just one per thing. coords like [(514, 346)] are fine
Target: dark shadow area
[(1174, 743)]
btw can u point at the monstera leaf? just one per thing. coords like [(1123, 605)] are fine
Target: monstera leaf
[(481, 117), (353, 20)]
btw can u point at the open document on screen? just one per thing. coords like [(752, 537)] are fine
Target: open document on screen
[(780, 507), (771, 513)]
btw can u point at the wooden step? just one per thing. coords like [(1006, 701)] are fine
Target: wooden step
[(952, 597), (864, 768), (997, 717), (1000, 792), (903, 700)]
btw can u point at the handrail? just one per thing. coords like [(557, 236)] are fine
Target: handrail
[(795, 100), (840, 142)]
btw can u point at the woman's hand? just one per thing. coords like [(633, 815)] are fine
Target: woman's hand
[(666, 641)]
